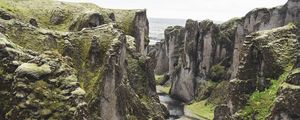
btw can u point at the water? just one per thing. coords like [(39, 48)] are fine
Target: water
[(175, 107), (157, 27)]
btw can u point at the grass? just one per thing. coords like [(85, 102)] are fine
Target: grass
[(261, 102), (163, 89), (158, 79), (202, 109)]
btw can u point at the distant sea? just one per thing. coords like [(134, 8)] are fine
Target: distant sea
[(157, 27)]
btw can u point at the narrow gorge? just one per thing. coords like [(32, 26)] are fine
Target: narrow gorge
[(78, 61), (234, 67)]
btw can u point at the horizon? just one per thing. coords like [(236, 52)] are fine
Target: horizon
[(216, 10)]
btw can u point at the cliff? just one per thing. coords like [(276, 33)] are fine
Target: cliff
[(87, 73), (248, 51)]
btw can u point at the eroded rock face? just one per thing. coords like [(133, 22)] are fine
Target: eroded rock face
[(141, 30), (87, 20), (192, 51), (263, 19), (183, 81), (217, 50), (97, 60), (57, 16), (5, 15), (286, 105), (265, 54), (38, 86)]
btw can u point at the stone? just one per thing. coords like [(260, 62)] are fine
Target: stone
[(57, 16), (4, 15), (33, 22), (87, 20), (33, 70), (112, 17), (141, 30), (78, 91), (222, 112)]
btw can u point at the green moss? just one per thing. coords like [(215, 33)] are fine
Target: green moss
[(78, 91), (163, 89), (42, 10), (159, 78), (202, 109), (220, 93), (33, 69), (217, 72), (261, 102), (204, 89)]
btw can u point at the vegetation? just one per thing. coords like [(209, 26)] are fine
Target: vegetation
[(217, 72), (202, 109), (163, 89), (260, 102), (158, 79)]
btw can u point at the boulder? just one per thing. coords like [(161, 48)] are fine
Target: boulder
[(33, 70)]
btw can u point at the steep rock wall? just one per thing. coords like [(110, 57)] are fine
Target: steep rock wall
[(98, 53), (218, 47)]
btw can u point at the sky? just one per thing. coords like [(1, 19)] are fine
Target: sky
[(217, 10)]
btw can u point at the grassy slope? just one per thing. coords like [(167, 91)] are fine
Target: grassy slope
[(41, 10), (202, 109), (261, 102)]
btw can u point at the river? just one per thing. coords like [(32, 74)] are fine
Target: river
[(176, 108)]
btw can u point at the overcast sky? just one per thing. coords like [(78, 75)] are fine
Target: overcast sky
[(218, 10)]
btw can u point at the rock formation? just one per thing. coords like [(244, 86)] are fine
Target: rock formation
[(79, 63), (248, 51)]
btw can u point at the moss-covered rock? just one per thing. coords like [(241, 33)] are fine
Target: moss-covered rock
[(31, 92), (33, 70)]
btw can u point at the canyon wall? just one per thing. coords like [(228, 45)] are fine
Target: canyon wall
[(233, 50), (75, 61)]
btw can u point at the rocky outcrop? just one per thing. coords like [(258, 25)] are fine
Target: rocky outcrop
[(263, 19), (141, 30), (192, 51), (285, 105), (99, 78), (215, 51), (87, 20), (38, 86), (265, 54)]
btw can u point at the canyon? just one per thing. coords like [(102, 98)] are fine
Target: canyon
[(63, 60), (228, 63)]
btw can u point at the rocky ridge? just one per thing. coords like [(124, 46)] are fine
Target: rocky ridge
[(88, 68)]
